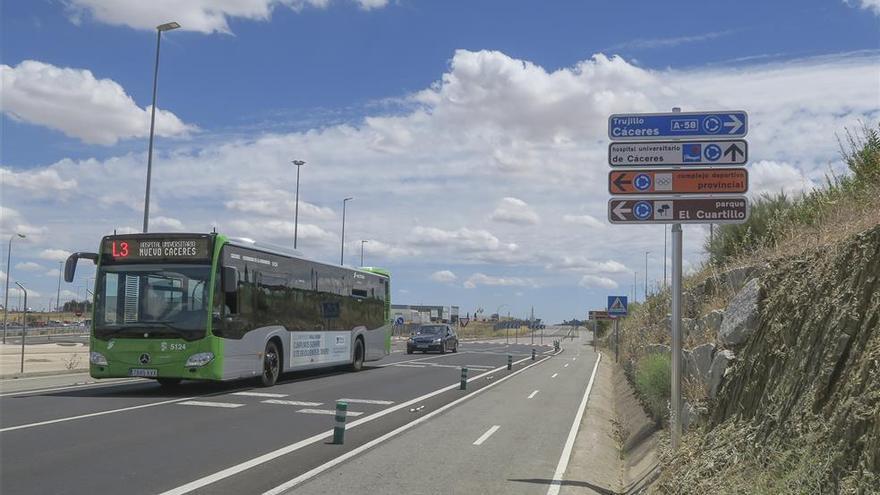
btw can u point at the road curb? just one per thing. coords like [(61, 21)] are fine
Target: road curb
[(35, 374)]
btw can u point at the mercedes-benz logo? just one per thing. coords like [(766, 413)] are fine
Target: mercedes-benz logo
[(145, 358)]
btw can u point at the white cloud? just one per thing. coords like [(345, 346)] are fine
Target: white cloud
[(73, 101), (28, 266), (872, 5), (771, 177), (372, 4), (45, 181), (53, 273), (54, 254), (577, 263), (443, 276), (478, 279), (204, 16), (426, 178), (515, 211), (166, 223), (642, 43), (596, 282), (588, 220)]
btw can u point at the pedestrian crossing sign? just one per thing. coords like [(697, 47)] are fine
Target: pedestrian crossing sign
[(617, 306)]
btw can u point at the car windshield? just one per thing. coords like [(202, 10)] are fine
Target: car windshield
[(430, 330), (150, 301)]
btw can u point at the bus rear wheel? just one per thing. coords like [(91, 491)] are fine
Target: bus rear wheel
[(271, 365), (168, 382), (358, 363)]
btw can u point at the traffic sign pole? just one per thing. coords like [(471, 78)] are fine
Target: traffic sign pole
[(675, 415), (675, 392)]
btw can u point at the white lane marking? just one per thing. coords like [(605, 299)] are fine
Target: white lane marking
[(329, 412), (556, 483), (260, 394), (291, 403), (256, 461), (90, 415), (123, 381), (574, 358), (369, 401), (485, 436), (228, 405), (566, 365), (408, 365), (554, 375), (533, 394), (376, 441)]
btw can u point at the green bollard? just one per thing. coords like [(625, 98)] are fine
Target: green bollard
[(509, 362), (463, 385), (339, 429)]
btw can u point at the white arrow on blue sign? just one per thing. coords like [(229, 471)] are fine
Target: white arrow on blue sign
[(693, 125)]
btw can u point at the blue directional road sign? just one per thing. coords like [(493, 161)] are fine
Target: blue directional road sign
[(616, 306), (693, 125)]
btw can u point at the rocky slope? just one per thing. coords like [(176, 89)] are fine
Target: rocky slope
[(796, 381)]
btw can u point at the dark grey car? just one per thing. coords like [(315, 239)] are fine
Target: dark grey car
[(437, 337)]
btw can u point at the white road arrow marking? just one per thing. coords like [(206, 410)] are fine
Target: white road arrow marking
[(619, 210), (735, 125)]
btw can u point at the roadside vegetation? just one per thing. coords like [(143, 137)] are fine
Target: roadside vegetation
[(799, 239)]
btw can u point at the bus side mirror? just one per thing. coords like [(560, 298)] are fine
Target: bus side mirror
[(230, 279), (70, 265)]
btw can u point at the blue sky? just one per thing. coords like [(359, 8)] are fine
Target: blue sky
[(469, 132)]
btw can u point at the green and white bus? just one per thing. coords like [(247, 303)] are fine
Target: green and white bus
[(207, 307)]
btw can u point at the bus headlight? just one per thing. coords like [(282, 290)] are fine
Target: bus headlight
[(199, 360), (97, 359)]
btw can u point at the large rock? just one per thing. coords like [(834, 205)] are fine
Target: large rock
[(702, 362), (742, 317), (711, 321), (656, 349), (718, 370)]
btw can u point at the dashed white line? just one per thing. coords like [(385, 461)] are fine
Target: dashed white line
[(566, 365), (101, 413), (227, 405), (554, 375), (408, 365), (485, 436), (327, 411), (291, 403), (531, 395), (259, 394), (369, 401)]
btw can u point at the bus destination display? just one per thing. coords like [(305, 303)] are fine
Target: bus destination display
[(156, 249)]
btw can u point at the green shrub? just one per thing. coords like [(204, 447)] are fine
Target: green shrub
[(653, 383), (773, 216)]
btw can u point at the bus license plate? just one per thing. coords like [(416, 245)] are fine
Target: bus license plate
[(143, 372)]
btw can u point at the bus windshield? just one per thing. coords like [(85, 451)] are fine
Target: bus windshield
[(152, 301)]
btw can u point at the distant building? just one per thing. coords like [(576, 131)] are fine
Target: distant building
[(418, 313)]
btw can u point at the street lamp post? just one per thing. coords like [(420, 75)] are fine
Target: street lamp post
[(646, 274), (298, 163), (159, 29), (362, 251), (6, 297), (58, 294), (23, 325), (342, 248)]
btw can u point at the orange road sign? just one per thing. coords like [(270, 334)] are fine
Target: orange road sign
[(686, 181)]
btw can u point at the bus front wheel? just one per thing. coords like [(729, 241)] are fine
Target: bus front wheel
[(271, 365), (358, 363)]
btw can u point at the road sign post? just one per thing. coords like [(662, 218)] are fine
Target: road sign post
[(672, 209), (695, 139), (690, 125), (679, 182), (689, 153)]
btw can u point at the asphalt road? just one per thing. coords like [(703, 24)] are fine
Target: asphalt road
[(134, 437)]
